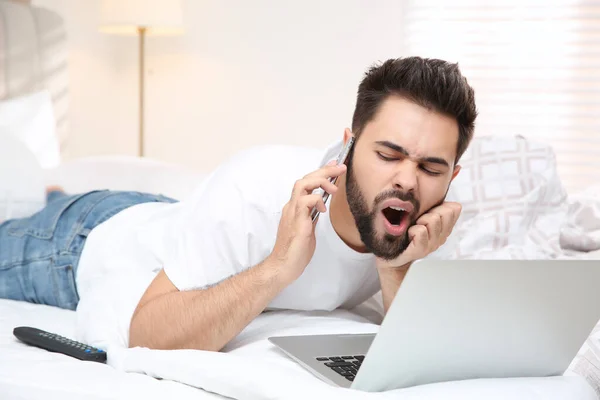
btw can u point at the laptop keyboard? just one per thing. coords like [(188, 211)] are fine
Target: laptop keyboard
[(346, 366)]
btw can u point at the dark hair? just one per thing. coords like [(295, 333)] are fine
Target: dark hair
[(430, 83)]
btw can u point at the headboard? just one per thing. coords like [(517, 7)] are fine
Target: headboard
[(33, 57)]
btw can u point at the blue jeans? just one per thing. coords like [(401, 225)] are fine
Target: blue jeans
[(39, 254)]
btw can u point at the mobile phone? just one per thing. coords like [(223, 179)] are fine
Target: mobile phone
[(341, 159)]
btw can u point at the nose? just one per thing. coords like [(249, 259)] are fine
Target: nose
[(405, 178)]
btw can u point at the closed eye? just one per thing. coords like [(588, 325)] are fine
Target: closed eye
[(423, 168), (428, 171), (384, 158)]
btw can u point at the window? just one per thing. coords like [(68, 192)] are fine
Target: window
[(534, 65)]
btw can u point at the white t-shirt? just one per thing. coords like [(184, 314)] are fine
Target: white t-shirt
[(228, 225)]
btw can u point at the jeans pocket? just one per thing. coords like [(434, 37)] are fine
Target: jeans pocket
[(42, 224), (65, 286)]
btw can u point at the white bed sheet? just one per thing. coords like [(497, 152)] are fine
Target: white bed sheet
[(252, 368), (30, 373)]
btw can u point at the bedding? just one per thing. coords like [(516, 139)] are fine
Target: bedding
[(512, 199), (29, 373), (124, 173), (249, 367), (581, 229)]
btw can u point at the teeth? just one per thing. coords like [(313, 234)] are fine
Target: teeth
[(398, 208)]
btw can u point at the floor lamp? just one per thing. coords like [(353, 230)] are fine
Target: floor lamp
[(141, 18)]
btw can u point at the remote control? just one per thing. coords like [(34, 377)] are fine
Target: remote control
[(59, 344)]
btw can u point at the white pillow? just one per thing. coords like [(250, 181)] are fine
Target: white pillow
[(30, 119), (124, 173), (22, 190)]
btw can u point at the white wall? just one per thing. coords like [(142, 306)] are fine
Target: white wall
[(244, 73)]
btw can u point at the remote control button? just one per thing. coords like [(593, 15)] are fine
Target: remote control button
[(88, 351)]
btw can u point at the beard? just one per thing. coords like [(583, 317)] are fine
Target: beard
[(386, 246)]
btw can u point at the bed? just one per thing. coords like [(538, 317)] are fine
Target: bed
[(249, 368), (514, 206)]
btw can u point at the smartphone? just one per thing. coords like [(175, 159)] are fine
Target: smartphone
[(341, 159)]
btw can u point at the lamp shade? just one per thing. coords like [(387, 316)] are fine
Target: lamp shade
[(159, 17)]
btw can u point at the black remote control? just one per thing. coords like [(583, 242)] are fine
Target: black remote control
[(58, 344)]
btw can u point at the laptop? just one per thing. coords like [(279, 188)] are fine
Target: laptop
[(456, 320)]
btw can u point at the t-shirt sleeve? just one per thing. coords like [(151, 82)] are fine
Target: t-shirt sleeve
[(104, 313), (222, 230)]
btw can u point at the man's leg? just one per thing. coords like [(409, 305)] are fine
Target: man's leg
[(28, 256), (39, 255)]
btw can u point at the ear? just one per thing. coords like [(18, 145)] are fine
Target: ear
[(455, 172), (347, 135)]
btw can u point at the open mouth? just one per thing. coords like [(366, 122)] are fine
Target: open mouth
[(396, 220), (394, 215)]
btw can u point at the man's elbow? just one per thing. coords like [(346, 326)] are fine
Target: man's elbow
[(142, 336), (136, 335)]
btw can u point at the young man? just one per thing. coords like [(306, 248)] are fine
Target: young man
[(143, 270)]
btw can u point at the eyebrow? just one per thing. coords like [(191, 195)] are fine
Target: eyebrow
[(402, 150)]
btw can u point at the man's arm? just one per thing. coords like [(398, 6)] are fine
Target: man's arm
[(390, 280), (206, 319), (429, 232)]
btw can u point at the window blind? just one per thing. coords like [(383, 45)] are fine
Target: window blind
[(534, 65)]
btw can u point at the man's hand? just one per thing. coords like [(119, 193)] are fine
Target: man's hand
[(295, 243), (427, 235)]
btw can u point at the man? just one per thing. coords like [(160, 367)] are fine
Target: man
[(144, 270)]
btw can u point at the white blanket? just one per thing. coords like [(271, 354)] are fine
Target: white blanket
[(581, 228), (251, 368)]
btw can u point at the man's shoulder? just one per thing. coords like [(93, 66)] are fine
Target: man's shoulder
[(277, 157), (271, 166), (261, 177)]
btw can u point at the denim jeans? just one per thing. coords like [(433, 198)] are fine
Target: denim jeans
[(39, 254)]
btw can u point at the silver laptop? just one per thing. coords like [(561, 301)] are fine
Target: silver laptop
[(454, 320)]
